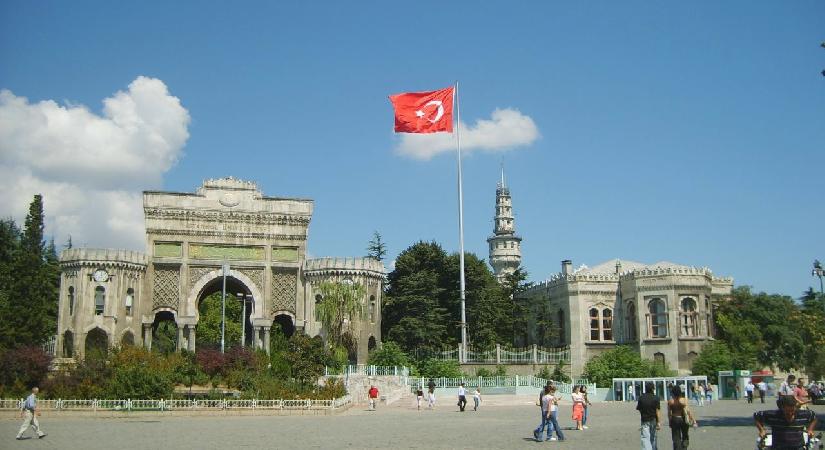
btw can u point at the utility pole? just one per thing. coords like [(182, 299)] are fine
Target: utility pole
[(225, 268)]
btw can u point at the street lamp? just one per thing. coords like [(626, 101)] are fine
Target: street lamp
[(818, 272)]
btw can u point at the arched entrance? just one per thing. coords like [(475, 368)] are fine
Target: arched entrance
[(164, 332), (284, 322), (128, 339), (239, 310), (68, 344), (97, 344)]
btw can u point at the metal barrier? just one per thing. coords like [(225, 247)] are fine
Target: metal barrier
[(95, 405)]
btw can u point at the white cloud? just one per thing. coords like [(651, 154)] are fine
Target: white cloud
[(506, 130), (90, 168)]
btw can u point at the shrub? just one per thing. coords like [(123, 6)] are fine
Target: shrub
[(483, 372), (434, 368), (139, 381), (390, 354), (23, 368), (621, 362)]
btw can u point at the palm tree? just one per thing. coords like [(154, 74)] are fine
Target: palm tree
[(340, 301)]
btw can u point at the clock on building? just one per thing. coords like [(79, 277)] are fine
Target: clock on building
[(100, 275)]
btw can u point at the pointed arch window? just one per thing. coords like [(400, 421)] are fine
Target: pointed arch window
[(657, 318), (129, 301), (100, 300), (630, 322), (689, 317)]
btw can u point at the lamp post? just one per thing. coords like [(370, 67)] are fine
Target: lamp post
[(818, 272), (225, 271), (242, 297)]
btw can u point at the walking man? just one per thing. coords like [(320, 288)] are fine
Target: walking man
[(763, 390), (373, 395), (431, 394), (749, 390), (462, 397), (648, 407), (29, 414)]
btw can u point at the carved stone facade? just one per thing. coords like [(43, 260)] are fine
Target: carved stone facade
[(505, 245), (190, 237), (664, 310)]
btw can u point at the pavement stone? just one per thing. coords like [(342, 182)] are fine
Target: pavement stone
[(497, 424)]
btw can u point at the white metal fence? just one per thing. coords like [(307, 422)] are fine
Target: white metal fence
[(504, 382), (501, 355), (95, 405)]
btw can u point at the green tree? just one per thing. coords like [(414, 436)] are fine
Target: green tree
[(714, 357), (514, 285), (390, 354), (413, 315), (307, 357), (29, 304), (434, 368), (340, 301), (377, 248), (761, 327), (209, 325), (621, 362)]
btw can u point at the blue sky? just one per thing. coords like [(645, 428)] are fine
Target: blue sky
[(684, 131)]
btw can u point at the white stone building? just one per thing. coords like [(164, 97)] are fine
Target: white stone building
[(664, 310), (112, 297)]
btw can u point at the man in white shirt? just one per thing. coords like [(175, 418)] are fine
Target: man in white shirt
[(29, 414), (462, 397), (763, 390), (749, 390)]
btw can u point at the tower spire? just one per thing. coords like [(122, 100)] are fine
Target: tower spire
[(505, 245)]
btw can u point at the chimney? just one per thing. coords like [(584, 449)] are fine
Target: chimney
[(567, 267)]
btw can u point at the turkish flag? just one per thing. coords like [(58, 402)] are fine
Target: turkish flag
[(424, 112)]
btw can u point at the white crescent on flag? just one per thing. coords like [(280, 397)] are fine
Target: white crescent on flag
[(439, 113)]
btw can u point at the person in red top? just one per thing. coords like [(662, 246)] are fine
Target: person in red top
[(373, 394)]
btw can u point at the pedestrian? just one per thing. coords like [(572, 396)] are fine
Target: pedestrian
[(545, 400), (786, 388), (578, 407), (373, 396), (801, 394), (648, 406), (476, 399), (680, 419), (631, 394), (431, 394), (763, 390), (700, 394), (419, 395), (749, 390), (29, 413), (462, 397), (583, 391), (735, 391), (709, 393)]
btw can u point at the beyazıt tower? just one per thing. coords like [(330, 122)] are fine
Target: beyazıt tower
[(505, 245)]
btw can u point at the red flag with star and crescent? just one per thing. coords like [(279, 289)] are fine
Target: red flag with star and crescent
[(424, 112)]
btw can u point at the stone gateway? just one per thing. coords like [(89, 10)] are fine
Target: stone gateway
[(111, 297)]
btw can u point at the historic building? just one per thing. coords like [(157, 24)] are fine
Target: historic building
[(229, 231), (505, 245), (664, 310)]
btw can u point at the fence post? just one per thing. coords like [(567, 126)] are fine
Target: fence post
[(498, 353), (94, 405), (516, 382), (535, 354), (395, 368)]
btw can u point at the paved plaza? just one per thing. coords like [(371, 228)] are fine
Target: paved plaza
[(500, 423)]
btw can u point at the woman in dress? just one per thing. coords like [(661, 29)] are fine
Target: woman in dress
[(578, 407)]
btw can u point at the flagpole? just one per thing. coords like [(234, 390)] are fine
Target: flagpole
[(463, 356)]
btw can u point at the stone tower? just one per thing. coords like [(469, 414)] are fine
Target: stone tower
[(505, 245)]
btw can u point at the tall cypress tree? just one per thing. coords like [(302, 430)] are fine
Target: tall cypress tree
[(30, 306)]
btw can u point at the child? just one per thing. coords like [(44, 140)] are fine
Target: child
[(419, 394), (373, 394), (476, 399)]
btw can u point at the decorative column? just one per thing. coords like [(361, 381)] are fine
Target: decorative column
[(147, 336), (180, 343), (191, 338), (266, 339), (256, 341)]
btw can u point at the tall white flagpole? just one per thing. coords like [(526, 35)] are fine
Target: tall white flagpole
[(463, 357)]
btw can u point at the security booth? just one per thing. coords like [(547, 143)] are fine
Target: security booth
[(768, 377), (732, 383), (629, 389)]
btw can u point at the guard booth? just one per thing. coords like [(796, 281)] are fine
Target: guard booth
[(629, 389), (732, 383), (768, 377)]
